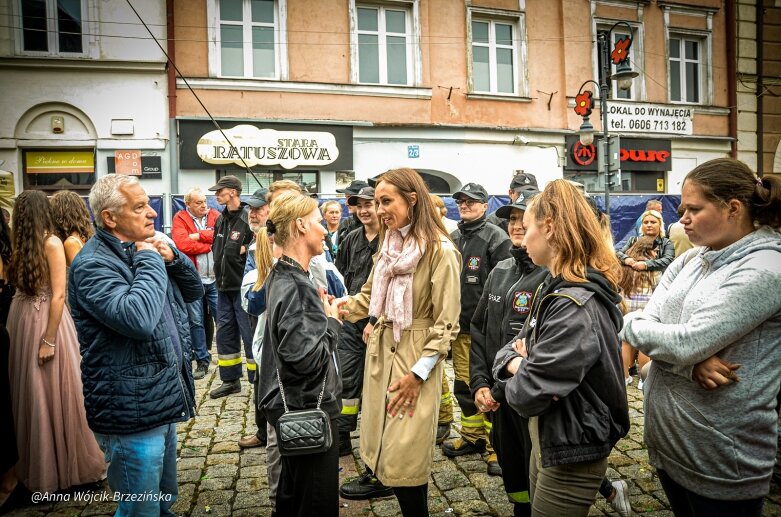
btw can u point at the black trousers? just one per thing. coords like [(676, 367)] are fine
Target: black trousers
[(352, 354), (413, 500), (685, 503), (513, 447), (309, 484)]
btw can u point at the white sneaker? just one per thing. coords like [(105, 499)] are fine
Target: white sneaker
[(640, 384), (620, 502), (628, 380)]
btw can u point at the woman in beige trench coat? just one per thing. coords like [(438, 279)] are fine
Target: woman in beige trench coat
[(413, 300)]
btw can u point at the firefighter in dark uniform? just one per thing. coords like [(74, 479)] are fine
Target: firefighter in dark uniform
[(232, 237), (500, 315), (354, 261), (521, 182), (482, 246)]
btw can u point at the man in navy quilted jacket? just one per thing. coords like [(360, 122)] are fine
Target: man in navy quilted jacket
[(127, 294)]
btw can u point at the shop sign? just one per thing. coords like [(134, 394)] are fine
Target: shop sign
[(636, 154), (649, 118), (151, 166), (265, 144), (127, 162), (59, 162), (252, 146)]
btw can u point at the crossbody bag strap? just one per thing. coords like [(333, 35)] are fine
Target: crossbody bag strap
[(279, 378)]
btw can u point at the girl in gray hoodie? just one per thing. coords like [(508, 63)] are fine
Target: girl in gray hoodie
[(713, 330)]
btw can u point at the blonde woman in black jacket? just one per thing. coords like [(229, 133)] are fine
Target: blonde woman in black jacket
[(300, 342)]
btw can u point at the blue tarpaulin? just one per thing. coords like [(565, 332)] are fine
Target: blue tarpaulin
[(624, 210)]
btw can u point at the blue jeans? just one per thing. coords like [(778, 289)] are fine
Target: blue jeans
[(195, 313), (142, 466)]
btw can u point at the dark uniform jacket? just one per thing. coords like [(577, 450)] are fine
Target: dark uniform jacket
[(501, 222), (131, 319), (501, 312), (300, 341), (482, 246), (573, 377), (231, 232), (354, 260)]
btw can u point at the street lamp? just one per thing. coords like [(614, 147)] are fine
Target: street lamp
[(584, 100)]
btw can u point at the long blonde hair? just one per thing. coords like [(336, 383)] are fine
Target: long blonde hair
[(577, 239)]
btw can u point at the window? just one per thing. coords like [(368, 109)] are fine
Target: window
[(494, 57), (685, 69), (384, 45), (52, 27), (248, 36), (49, 170), (618, 33)]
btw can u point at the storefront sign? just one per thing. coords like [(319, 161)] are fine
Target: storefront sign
[(59, 162), (256, 144), (151, 167), (252, 146), (128, 162), (649, 118), (637, 154)]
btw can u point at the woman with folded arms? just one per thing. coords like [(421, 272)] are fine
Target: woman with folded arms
[(714, 320)]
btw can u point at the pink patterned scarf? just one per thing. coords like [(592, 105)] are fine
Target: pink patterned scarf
[(392, 284)]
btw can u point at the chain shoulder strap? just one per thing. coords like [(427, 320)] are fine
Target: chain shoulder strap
[(282, 391), (279, 379)]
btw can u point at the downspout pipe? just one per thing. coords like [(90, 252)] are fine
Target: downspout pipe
[(173, 138), (760, 87), (732, 86)]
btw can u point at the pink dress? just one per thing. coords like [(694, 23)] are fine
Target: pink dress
[(57, 449)]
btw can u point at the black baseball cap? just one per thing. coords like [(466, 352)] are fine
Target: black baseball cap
[(473, 190), (227, 182), (258, 198), (524, 181), (354, 188), (520, 203), (365, 193)]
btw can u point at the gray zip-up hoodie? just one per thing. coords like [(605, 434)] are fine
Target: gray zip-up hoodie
[(722, 443)]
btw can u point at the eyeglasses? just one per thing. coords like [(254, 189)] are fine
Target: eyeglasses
[(466, 201)]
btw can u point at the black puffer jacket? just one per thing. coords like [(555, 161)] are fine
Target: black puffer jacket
[(354, 260), (300, 341), (498, 221), (231, 232), (482, 246), (136, 372), (573, 377), (503, 308)]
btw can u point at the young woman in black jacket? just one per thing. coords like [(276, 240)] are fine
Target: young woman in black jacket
[(300, 342), (565, 373)]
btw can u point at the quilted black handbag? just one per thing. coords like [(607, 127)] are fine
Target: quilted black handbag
[(305, 431)]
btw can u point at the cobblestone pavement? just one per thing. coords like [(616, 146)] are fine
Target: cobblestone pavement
[(217, 478)]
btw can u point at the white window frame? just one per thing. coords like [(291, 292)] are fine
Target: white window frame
[(517, 20), (412, 28), (52, 33), (635, 57), (280, 41), (701, 41), (706, 46)]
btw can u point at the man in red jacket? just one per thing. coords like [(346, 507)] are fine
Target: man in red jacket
[(193, 233)]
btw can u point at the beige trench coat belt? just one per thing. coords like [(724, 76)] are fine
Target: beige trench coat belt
[(417, 324)]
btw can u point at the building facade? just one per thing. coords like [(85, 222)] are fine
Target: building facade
[(758, 84), (84, 89), (463, 91)]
